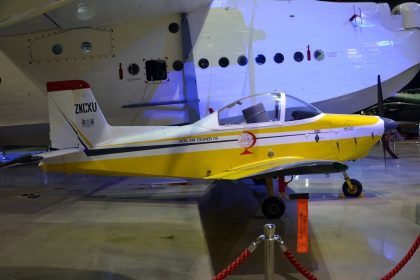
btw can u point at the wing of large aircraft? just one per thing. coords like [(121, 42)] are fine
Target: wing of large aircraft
[(280, 167), (40, 15)]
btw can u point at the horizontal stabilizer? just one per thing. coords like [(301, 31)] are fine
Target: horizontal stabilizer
[(60, 153)]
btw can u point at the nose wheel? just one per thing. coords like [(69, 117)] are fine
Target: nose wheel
[(273, 207), (351, 187)]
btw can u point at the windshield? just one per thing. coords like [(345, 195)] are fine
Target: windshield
[(297, 109)]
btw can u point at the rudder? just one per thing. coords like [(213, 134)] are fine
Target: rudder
[(75, 116)]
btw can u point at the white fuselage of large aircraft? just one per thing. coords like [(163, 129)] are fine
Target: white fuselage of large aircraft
[(160, 63)]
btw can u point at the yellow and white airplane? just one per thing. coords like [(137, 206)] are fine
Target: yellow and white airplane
[(261, 136)]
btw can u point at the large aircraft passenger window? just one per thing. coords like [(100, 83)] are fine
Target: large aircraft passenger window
[(298, 56), (86, 47), (178, 65), (278, 58), (242, 60), (260, 59), (254, 109), (57, 49), (224, 62), (203, 63), (298, 110), (173, 27)]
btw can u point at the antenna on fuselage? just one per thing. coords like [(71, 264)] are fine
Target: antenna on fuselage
[(389, 124)]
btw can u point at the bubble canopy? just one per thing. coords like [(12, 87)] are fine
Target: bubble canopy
[(266, 108)]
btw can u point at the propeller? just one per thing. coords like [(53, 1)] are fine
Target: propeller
[(381, 114), (389, 124)]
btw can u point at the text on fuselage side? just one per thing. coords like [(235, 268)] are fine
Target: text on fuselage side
[(87, 107), (198, 139)]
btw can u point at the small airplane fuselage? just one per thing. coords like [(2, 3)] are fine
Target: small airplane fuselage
[(245, 138)]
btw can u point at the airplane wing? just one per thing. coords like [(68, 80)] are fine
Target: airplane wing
[(280, 167), (23, 159), (17, 17), (29, 158)]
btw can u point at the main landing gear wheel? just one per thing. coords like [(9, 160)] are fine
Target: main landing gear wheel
[(273, 207), (353, 191)]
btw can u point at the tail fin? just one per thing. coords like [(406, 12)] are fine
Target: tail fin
[(75, 116)]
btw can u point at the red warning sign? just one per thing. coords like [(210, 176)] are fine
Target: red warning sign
[(302, 226)]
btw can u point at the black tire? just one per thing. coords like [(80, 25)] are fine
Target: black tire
[(352, 193), (273, 207)]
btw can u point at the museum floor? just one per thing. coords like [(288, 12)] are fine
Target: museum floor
[(89, 227)]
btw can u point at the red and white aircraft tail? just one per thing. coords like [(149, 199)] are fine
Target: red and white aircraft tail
[(75, 117)]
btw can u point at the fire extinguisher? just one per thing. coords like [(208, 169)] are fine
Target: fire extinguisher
[(308, 54), (120, 72)]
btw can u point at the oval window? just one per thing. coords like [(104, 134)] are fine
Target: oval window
[(178, 65), (224, 62), (260, 59), (242, 60), (173, 27), (298, 56), (203, 63), (86, 47), (278, 58), (57, 49)]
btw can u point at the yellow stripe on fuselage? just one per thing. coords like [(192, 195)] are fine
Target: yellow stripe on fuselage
[(328, 121), (205, 163)]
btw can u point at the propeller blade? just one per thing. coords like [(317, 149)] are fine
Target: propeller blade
[(381, 114), (380, 98), (384, 148)]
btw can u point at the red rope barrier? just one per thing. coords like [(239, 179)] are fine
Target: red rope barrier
[(404, 261), (299, 267), (234, 265)]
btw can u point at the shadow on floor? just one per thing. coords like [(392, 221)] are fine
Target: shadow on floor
[(232, 219), (47, 273)]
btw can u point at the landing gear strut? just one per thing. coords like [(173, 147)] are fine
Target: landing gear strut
[(351, 187), (273, 207)]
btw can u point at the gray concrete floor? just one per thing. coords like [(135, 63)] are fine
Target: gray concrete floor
[(90, 227)]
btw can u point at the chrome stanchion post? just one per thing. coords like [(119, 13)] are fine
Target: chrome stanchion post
[(269, 239)]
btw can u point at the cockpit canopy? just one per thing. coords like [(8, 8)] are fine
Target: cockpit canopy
[(267, 107)]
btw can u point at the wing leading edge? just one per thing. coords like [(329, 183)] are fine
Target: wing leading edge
[(281, 167)]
